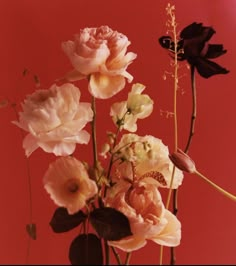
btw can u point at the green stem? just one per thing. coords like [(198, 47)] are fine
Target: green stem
[(94, 138), (107, 252), (128, 256), (117, 256), (111, 160), (113, 146), (220, 189)]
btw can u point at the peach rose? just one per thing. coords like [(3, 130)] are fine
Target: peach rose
[(100, 54), (137, 106), (55, 120), (141, 202), (68, 183), (150, 158)]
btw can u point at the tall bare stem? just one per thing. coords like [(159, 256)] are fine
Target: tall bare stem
[(194, 109), (173, 24), (31, 226), (94, 137)]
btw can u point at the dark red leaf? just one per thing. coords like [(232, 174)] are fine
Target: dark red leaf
[(110, 223), (62, 221), (86, 249)]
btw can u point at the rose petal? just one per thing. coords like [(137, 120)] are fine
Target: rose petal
[(104, 86)]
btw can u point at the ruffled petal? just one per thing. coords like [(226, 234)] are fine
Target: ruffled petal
[(30, 144), (170, 236), (58, 148), (104, 86), (71, 76), (129, 244)]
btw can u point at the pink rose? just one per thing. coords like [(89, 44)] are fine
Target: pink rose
[(141, 202), (100, 54), (68, 184), (54, 120)]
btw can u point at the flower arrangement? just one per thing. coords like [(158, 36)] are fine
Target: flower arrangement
[(115, 201)]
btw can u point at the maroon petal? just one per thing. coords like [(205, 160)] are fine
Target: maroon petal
[(215, 50), (196, 30), (207, 68)]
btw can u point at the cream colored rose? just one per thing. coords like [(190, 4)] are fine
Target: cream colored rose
[(137, 106), (150, 158), (100, 54), (141, 202), (68, 183), (54, 120)]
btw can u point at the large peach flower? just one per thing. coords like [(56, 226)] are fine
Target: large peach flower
[(137, 106), (55, 120), (141, 202), (149, 156), (100, 54), (68, 183)]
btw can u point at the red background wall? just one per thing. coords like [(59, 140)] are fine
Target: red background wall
[(31, 36)]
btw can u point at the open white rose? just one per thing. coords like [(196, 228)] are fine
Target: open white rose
[(54, 120), (150, 158)]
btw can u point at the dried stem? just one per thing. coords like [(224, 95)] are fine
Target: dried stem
[(194, 109), (192, 125), (128, 256), (117, 256), (172, 250), (220, 189), (30, 195), (94, 138), (174, 31)]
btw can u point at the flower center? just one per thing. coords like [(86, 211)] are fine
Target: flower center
[(72, 186)]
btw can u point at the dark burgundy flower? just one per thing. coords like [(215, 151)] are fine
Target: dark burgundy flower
[(193, 46)]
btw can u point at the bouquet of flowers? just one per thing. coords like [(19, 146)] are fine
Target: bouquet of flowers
[(116, 200)]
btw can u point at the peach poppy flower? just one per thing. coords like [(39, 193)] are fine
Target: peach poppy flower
[(68, 184), (100, 54)]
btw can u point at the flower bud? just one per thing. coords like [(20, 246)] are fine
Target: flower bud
[(183, 161)]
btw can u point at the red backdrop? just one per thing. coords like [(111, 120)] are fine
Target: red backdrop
[(31, 36)]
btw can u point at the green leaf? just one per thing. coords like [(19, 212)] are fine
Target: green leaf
[(31, 230), (110, 223), (86, 249), (62, 221)]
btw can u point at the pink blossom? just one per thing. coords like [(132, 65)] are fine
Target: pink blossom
[(68, 183), (100, 54), (54, 120), (141, 202)]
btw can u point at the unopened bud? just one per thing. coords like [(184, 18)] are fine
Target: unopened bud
[(182, 161), (105, 150)]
